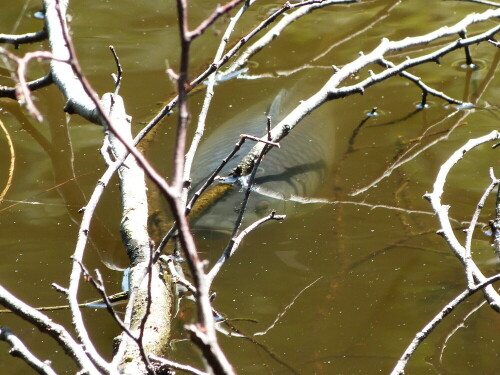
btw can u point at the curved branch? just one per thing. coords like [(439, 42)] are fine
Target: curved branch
[(442, 213)]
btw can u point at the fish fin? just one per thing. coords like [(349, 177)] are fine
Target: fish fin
[(276, 108)]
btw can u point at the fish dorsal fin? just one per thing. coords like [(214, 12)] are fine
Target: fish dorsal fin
[(277, 107)]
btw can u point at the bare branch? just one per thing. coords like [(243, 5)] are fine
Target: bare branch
[(118, 77), (442, 212), (100, 114), (236, 241), (257, 139), (23, 94), (425, 89), (470, 231), (16, 40), (305, 7), (99, 286), (46, 325), (18, 349), (9, 92), (219, 11), (203, 334), (429, 327), (285, 310), (200, 128), (332, 91), (177, 278), (78, 100), (221, 62)]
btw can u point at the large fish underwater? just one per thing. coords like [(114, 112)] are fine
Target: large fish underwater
[(286, 176)]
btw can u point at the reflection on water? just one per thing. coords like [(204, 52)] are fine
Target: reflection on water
[(384, 273)]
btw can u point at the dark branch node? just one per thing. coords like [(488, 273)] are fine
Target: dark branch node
[(468, 57), (423, 102), (286, 129)]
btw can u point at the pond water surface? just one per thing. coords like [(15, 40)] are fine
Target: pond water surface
[(362, 280)]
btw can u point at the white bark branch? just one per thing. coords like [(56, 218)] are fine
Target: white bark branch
[(274, 32), (18, 349), (77, 100), (74, 350), (135, 236), (332, 91), (444, 221)]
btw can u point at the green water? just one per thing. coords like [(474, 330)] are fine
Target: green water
[(380, 274)]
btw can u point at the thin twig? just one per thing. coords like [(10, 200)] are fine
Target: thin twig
[(303, 8), (23, 94), (429, 327), (12, 161), (460, 325), (495, 224), (219, 11), (257, 139), (216, 66), (117, 77), (200, 128), (331, 89), (285, 310), (177, 278), (236, 241), (99, 286), (468, 57), (425, 88), (144, 319)]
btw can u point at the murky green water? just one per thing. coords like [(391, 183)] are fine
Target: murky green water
[(378, 275)]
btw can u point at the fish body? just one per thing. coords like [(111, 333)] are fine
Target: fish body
[(296, 169)]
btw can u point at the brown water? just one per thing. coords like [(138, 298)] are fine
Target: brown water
[(379, 274)]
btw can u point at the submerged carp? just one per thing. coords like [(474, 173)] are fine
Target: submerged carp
[(285, 176)]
